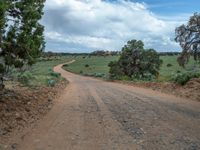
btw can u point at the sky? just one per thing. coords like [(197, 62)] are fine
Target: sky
[(87, 25)]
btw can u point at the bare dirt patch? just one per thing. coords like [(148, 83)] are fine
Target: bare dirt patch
[(21, 107)]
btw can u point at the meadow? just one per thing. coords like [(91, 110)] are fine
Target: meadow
[(40, 73), (99, 65)]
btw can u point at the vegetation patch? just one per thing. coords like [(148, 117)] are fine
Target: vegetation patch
[(183, 78), (135, 62)]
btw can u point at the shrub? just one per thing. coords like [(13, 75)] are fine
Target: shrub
[(183, 78), (25, 77), (99, 75), (125, 78), (65, 65), (81, 72), (2, 69), (55, 74), (169, 65), (87, 65), (51, 82)]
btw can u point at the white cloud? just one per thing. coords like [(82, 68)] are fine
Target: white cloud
[(95, 24)]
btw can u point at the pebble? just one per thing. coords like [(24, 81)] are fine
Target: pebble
[(18, 116), (14, 146)]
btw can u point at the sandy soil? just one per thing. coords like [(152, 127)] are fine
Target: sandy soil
[(96, 115)]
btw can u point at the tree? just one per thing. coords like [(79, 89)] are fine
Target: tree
[(136, 62), (23, 40), (188, 36), (3, 7), (30, 38)]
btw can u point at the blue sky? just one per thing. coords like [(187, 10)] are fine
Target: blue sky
[(172, 7), (88, 25)]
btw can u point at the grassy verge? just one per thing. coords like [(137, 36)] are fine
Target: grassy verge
[(41, 73)]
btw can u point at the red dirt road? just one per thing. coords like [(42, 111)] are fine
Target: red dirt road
[(96, 115)]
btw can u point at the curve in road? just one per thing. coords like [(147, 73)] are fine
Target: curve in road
[(96, 115)]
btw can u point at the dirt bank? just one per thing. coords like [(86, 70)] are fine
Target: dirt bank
[(190, 91), (21, 107)]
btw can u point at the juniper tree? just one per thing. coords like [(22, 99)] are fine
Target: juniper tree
[(23, 40), (188, 36), (136, 62)]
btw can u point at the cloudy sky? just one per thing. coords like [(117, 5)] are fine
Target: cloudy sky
[(87, 25)]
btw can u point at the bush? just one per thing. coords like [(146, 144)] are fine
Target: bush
[(55, 74), (99, 75), (125, 78), (87, 65), (51, 82), (183, 78), (25, 78), (169, 65), (65, 65), (2, 69), (81, 72)]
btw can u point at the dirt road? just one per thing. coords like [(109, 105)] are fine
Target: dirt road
[(96, 115)]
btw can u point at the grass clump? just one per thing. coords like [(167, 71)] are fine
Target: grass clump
[(25, 78)]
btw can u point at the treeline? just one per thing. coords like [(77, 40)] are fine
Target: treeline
[(105, 53), (21, 34), (99, 53), (94, 53), (59, 54), (169, 53)]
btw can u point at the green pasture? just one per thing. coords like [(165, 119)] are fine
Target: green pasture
[(99, 64)]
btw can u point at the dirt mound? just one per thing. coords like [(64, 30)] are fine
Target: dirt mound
[(192, 89), (22, 107)]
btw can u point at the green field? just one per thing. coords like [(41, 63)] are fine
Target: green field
[(99, 64), (96, 64), (40, 73)]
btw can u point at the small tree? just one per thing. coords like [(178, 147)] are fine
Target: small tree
[(136, 62), (188, 36)]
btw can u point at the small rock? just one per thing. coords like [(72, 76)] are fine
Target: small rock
[(18, 116), (50, 99), (14, 146), (49, 107), (3, 131), (27, 109)]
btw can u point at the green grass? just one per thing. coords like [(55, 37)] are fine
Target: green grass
[(96, 64), (100, 65), (41, 72), (166, 73)]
